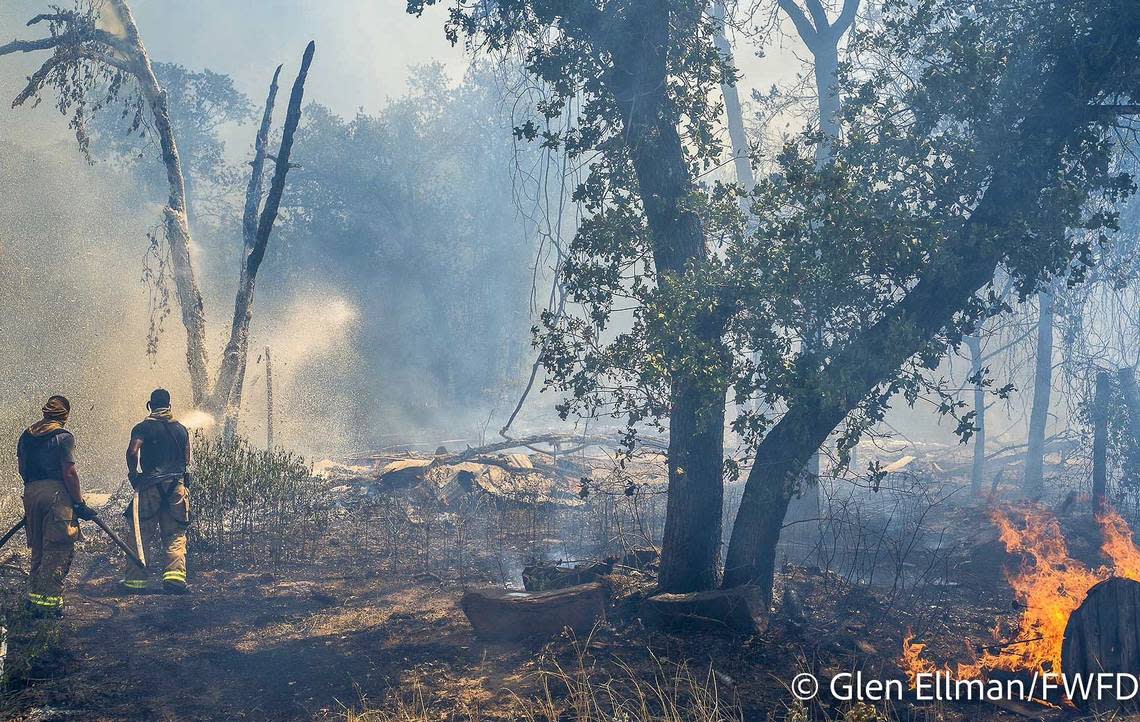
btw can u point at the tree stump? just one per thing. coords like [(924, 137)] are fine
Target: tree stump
[(506, 615), (1103, 635), (739, 610)]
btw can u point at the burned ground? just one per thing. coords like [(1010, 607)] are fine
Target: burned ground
[(349, 631)]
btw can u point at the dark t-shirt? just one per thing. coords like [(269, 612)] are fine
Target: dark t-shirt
[(44, 457), (164, 446)]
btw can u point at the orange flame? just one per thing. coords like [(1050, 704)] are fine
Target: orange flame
[(1050, 584), (912, 660), (1118, 545)]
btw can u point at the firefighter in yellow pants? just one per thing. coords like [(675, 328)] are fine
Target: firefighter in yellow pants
[(158, 459), (53, 504)]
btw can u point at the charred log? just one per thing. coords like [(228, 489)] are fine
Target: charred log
[(505, 615)]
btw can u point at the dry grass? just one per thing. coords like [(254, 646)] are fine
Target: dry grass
[(584, 692)]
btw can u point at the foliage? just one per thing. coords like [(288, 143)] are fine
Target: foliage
[(201, 103), (253, 508), (412, 211), (933, 96)]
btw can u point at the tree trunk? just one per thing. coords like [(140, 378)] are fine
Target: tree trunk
[(826, 56), (1131, 396), (268, 401), (638, 81), (978, 471), (227, 390), (1101, 399), (737, 135), (1024, 165), (175, 213), (1102, 636), (1034, 483), (231, 375)]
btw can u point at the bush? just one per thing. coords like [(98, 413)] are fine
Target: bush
[(253, 508)]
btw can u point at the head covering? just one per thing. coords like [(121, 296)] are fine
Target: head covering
[(159, 405), (55, 412)]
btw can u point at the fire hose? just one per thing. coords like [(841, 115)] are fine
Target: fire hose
[(131, 553)]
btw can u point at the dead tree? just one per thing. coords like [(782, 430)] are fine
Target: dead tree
[(978, 469), (734, 114), (822, 38), (268, 401), (1100, 438), (1034, 482), (86, 56)]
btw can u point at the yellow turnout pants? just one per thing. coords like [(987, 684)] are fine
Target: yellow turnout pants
[(52, 531), (164, 509)]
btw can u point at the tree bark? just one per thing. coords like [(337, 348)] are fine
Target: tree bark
[(1034, 482), (1101, 397), (638, 82), (231, 374), (978, 471), (1131, 396), (1102, 636), (1023, 166), (734, 114), (175, 213), (227, 390)]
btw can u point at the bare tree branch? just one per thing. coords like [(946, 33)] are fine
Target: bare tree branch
[(803, 26)]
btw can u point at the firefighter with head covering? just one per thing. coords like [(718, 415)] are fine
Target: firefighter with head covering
[(158, 461), (53, 502)]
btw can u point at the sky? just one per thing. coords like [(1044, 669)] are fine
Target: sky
[(365, 48)]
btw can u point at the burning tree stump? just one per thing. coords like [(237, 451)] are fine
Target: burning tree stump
[(1103, 634), (505, 615), (740, 610)]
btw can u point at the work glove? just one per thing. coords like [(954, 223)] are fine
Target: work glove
[(84, 512)]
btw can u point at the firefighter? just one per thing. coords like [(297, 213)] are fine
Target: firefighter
[(53, 501), (158, 461)]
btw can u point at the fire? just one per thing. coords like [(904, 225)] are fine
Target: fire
[(1118, 545), (1050, 584), (912, 660)]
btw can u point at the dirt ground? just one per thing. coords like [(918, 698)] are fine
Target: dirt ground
[(316, 641)]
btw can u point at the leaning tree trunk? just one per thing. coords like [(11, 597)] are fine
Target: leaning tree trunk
[(231, 374), (1034, 482), (978, 471), (1025, 165), (639, 84)]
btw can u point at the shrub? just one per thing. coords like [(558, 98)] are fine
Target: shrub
[(253, 508)]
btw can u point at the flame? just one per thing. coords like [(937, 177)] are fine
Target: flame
[(913, 662), (1118, 545), (1050, 584)]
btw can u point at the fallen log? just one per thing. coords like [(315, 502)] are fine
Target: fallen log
[(1103, 635), (505, 615), (739, 610), (548, 577), (641, 558)]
